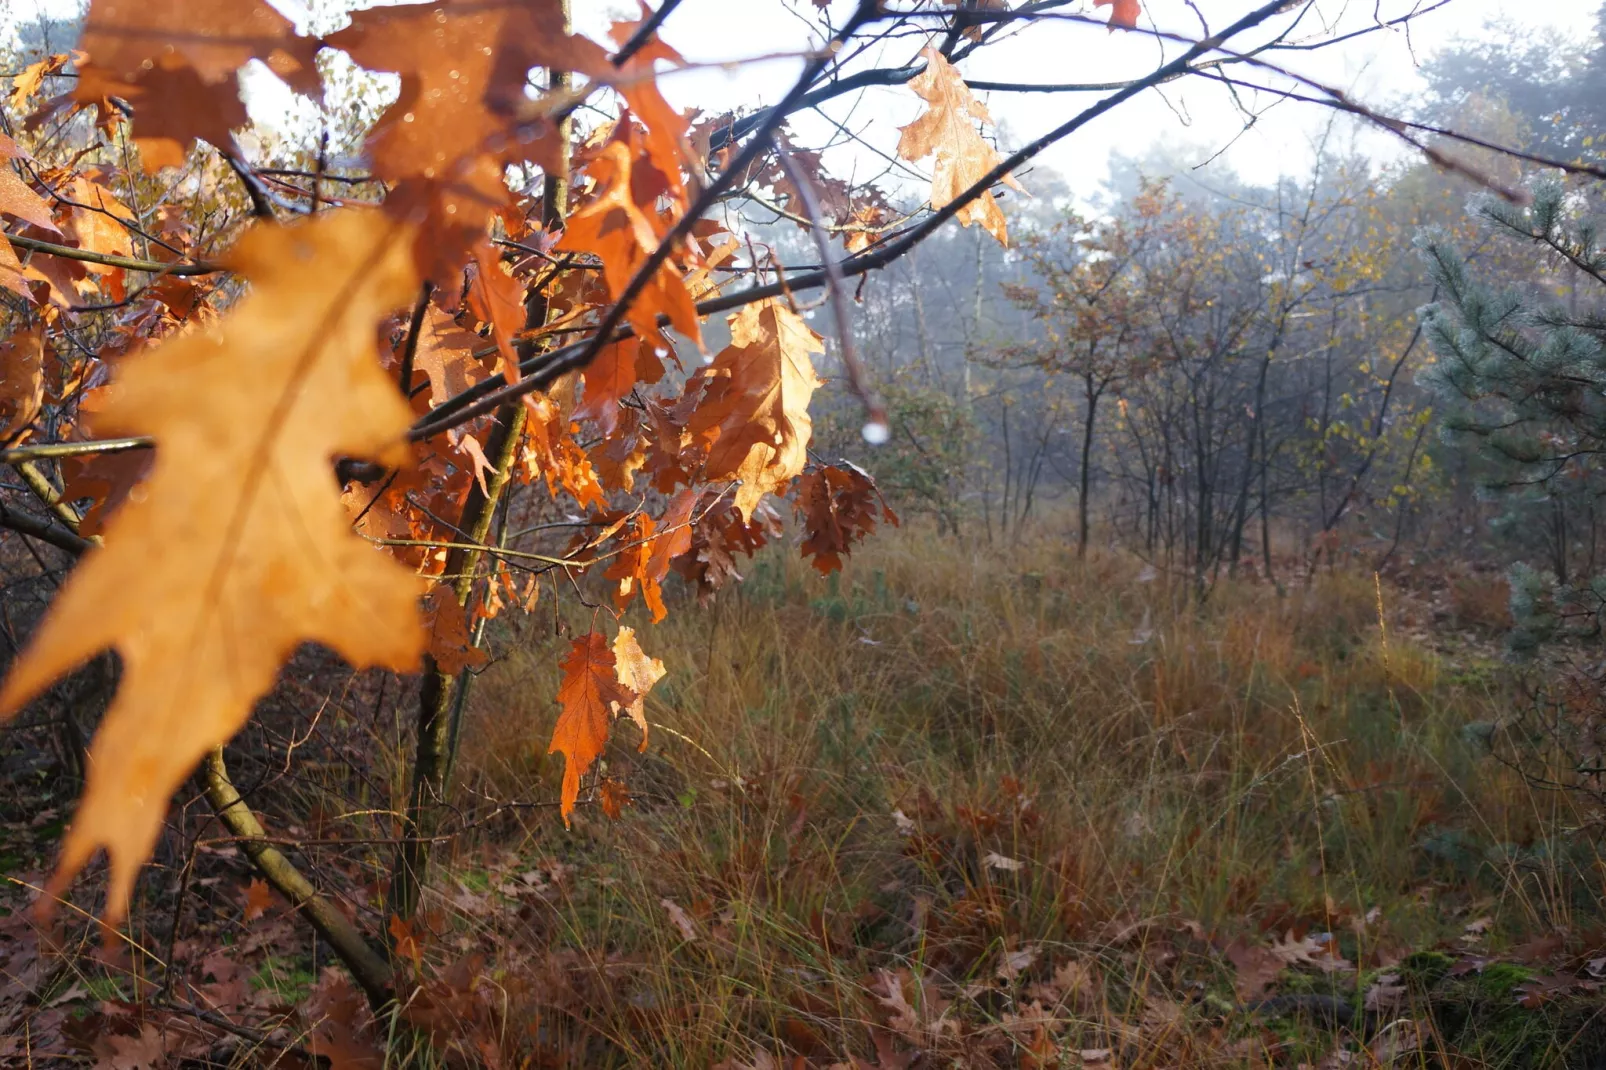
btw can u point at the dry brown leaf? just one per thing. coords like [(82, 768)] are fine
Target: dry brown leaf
[(613, 796), (637, 672), (1320, 951), (238, 549), (258, 898), (947, 129), (682, 920), (1255, 967), (756, 404)]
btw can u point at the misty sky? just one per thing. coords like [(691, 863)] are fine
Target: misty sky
[(1194, 117)]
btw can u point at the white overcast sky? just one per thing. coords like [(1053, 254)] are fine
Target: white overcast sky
[(1380, 68)]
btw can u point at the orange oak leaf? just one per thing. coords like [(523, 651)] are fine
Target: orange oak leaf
[(26, 85), (674, 539), (619, 231), (258, 898), (612, 376), (449, 641), (589, 694), (629, 566), (667, 146), (462, 64), (406, 941), (238, 549), (105, 479), (97, 221), (172, 108), (756, 404), (445, 355), (637, 672), (19, 202), (22, 380), (462, 112), (215, 37), (1123, 13), (947, 129)]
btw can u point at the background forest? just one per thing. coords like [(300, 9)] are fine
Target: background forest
[(1204, 671)]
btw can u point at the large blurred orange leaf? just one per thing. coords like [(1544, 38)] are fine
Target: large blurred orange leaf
[(175, 61), (236, 548)]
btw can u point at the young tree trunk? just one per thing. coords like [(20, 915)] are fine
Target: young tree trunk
[(1086, 472), (441, 695)]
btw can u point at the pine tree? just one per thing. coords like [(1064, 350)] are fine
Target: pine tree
[(1521, 370)]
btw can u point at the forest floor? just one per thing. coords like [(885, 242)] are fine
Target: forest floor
[(959, 806)]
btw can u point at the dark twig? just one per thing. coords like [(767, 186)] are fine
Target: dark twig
[(542, 370)]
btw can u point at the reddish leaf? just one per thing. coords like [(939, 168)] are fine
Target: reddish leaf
[(258, 898), (1123, 13), (839, 507)]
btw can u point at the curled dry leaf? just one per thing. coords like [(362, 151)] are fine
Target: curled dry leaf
[(683, 921), (637, 672), (613, 796), (238, 549), (947, 130), (994, 860), (754, 410), (839, 507)]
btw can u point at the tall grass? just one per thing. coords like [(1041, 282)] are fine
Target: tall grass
[(1031, 799)]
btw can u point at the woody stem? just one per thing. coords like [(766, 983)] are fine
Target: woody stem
[(442, 696)]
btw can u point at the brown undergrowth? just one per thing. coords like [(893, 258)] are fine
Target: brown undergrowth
[(965, 807), (958, 806)]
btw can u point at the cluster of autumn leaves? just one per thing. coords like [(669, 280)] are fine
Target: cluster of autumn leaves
[(229, 544)]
